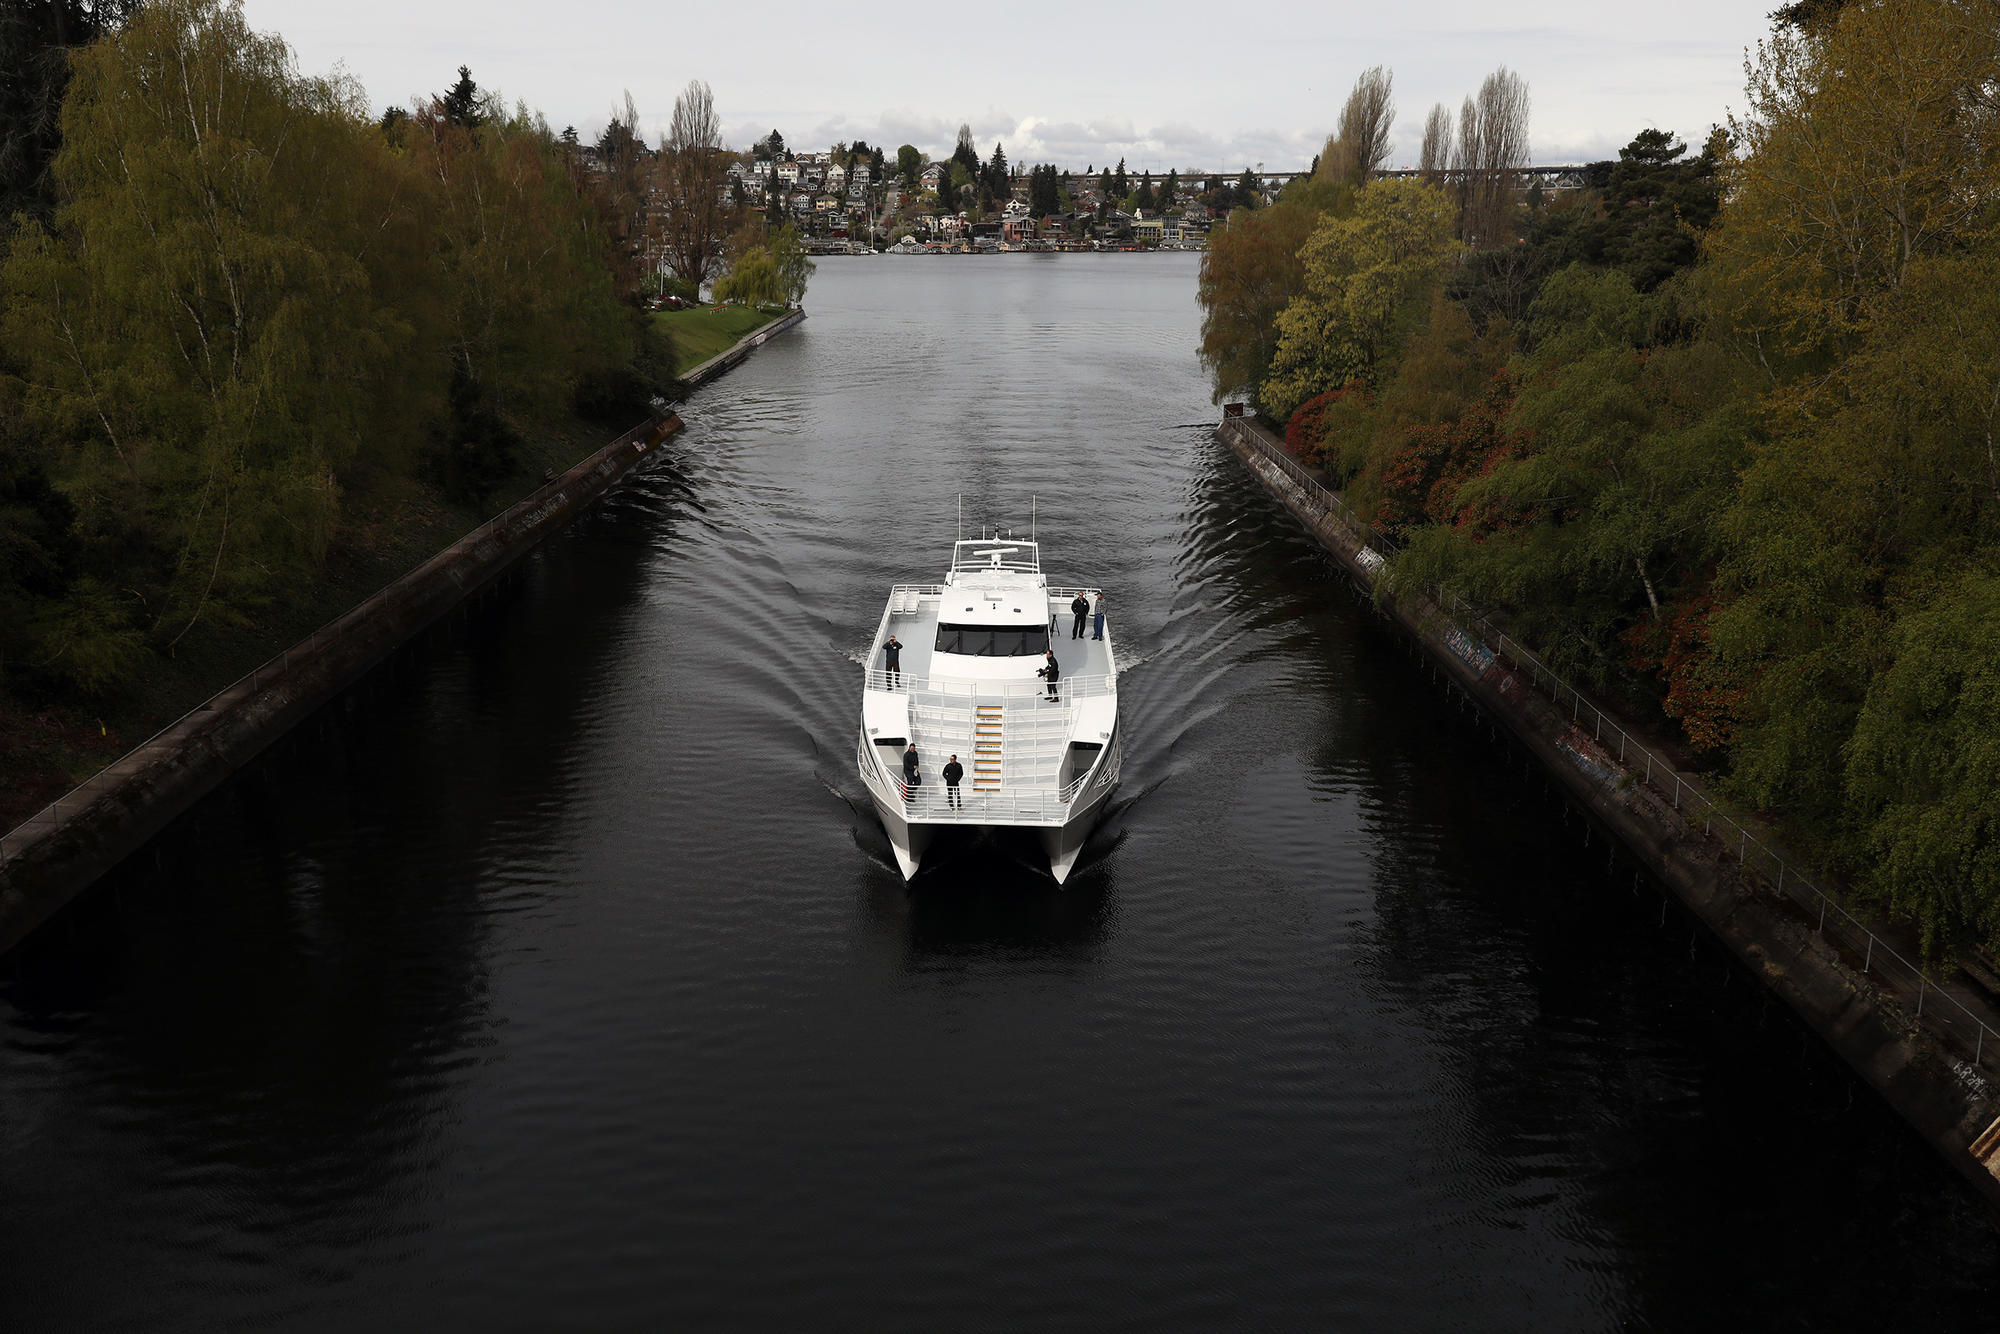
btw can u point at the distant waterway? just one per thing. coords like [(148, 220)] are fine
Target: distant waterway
[(560, 977)]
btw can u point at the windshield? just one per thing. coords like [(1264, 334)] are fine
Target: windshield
[(993, 641)]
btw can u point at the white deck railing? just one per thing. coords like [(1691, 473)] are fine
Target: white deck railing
[(1068, 687), (931, 800)]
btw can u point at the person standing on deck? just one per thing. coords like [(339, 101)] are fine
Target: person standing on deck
[(910, 779), (892, 650), (952, 771), (1098, 631), (1052, 674), (1082, 609)]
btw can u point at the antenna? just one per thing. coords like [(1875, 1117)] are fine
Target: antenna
[(1032, 502), (961, 516)]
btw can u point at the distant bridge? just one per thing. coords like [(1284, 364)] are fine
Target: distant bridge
[(1553, 177)]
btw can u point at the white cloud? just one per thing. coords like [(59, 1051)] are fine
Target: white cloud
[(1180, 84)]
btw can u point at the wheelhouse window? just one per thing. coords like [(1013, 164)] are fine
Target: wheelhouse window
[(993, 641)]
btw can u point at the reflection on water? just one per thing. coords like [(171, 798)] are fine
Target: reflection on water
[(560, 974)]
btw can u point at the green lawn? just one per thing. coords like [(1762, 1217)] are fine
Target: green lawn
[(704, 331)]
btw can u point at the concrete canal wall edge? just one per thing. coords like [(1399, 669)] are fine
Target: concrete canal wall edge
[(1950, 1102), (60, 852)]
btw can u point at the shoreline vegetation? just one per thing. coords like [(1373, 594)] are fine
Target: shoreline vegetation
[(702, 333), (1714, 434), (262, 352)]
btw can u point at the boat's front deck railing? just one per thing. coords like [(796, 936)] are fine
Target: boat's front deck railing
[(933, 801), (1068, 687)]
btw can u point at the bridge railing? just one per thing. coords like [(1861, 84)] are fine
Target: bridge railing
[(1930, 1003)]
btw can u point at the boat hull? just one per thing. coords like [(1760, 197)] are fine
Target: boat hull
[(910, 839)]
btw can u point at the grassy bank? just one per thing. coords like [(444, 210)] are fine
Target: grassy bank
[(707, 331), (387, 533)]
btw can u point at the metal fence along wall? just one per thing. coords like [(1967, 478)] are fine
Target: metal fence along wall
[(1934, 1008)]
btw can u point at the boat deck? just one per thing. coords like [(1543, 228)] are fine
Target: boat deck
[(913, 618), (1012, 739)]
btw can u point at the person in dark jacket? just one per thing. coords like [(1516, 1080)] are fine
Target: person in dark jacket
[(910, 778), (892, 649), (1052, 674), (1082, 609), (952, 771)]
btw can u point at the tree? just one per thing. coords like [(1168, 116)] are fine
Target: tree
[(753, 280), (1871, 141), (1361, 272), (1044, 191), (206, 319), (909, 165), (1656, 206), (1249, 274), (770, 148), (1491, 151), (1623, 451), (692, 169), (1884, 487), (1170, 193), (1361, 145), (35, 42), (964, 154), (463, 104), (1923, 765), (1142, 198), (995, 178), (1120, 187), (1247, 192), (795, 267), (1434, 157)]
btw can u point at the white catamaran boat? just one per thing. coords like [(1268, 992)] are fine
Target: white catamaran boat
[(970, 685)]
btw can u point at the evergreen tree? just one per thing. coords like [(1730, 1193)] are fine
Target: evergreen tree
[(1119, 185), (965, 155), (1044, 191), (35, 41), (463, 104), (1170, 193)]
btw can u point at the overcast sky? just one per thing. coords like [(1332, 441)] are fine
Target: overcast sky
[(1213, 84)]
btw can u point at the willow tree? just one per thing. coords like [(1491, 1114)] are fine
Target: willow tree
[(207, 320)]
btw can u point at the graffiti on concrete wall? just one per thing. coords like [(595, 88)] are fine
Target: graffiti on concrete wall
[(1469, 650), (1578, 747)]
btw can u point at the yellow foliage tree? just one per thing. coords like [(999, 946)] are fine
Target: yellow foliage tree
[(1871, 140), (1364, 274)]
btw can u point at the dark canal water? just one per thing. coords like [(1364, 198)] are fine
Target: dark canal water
[(560, 978)]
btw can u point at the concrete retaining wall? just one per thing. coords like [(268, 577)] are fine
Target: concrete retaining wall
[(56, 854), (1947, 1094), (723, 361)]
